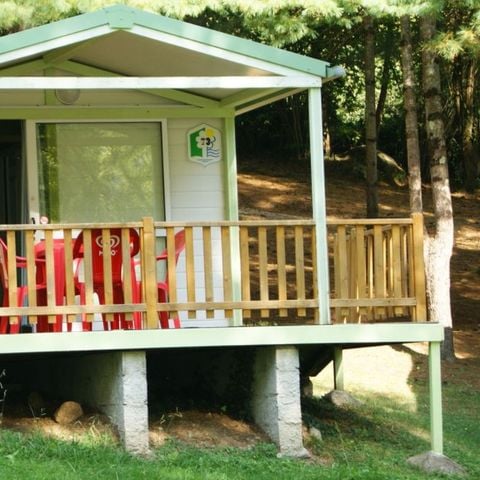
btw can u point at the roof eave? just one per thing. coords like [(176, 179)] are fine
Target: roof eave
[(121, 17)]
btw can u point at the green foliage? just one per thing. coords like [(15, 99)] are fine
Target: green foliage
[(16, 15), (330, 30), (461, 30)]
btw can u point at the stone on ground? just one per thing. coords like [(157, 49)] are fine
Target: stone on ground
[(315, 433), (339, 398), (432, 462), (68, 412)]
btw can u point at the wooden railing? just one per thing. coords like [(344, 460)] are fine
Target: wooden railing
[(252, 272), (377, 270)]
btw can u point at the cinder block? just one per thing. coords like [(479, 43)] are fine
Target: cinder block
[(114, 383), (276, 398)]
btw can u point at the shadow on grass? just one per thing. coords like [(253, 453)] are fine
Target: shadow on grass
[(373, 423), (460, 400)]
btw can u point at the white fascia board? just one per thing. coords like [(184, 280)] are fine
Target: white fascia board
[(133, 83), (216, 52), (342, 334), (59, 42)]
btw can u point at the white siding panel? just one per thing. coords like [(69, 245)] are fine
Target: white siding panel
[(197, 193), (191, 178), (197, 214), (181, 166), (194, 183), (207, 199)]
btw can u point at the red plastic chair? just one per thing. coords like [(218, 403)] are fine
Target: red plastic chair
[(117, 278), (59, 246), (162, 287), (21, 262)]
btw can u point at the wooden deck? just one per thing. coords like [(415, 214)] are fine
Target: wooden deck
[(246, 273)]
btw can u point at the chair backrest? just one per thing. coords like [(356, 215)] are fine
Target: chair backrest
[(3, 266), (115, 252), (21, 262), (179, 244), (179, 248)]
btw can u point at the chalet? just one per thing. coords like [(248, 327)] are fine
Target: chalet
[(120, 234)]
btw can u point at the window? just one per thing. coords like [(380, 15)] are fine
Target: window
[(100, 172)]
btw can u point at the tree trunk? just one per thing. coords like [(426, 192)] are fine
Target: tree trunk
[(471, 157), (440, 243), (386, 70), (327, 142), (370, 119), (328, 125), (411, 120)]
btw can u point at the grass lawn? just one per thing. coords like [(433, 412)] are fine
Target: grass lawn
[(369, 442)]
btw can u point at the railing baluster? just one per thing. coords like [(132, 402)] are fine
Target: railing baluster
[(263, 268), (379, 266), (69, 271), (245, 268), (352, 262), (314, 274), (31, 273), (411, 268), (208, 269), (404, 259), (88, 271), (50, 273), (388, 262), (227, 268), (12, 274), (107, 271), (336, 274), (342, 267), (361, 268), (149, 272), (128, 278), (190, 266), (281, 268), (300, 268), (171, 269), (370, 262), (397, 266)]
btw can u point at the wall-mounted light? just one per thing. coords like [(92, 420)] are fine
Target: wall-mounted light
[(67, 96)]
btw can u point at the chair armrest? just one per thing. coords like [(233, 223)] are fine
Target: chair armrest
[(162, 256)]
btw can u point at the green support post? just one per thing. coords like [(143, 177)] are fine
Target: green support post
[(435, 381), (318, 201), (232, 212), (338, 378)]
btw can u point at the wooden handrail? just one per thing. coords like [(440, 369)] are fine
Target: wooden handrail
[(377, 266)]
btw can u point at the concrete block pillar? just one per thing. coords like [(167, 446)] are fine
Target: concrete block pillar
[(128, 404), (116, 384), (276, 398)]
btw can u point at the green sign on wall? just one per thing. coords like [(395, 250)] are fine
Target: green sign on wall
[(204, 144)]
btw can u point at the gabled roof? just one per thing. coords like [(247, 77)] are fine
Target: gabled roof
[(124, 41)]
